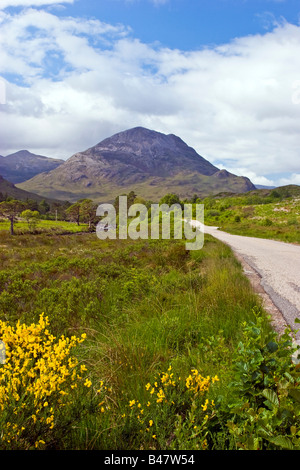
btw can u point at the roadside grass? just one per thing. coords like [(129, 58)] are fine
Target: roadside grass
[(163, 329), (272, 219), (280, 232)]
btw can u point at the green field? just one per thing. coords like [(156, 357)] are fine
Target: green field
[(178, 351), (260, 214), (44, 226)]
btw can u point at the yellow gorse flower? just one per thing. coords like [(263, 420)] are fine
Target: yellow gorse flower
[(160, 396), (88, 383), (169, 390), (196, 383), (38, 372), (205, 405)]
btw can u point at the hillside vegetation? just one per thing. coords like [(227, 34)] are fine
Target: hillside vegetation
[(8, 189), (271, 214)]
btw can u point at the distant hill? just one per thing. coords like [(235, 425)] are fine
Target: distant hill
[(9, 189), (145, 161), (23, 165), (287, 191), (280, 192), (260, 186)]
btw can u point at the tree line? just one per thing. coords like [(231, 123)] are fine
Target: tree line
[(83, 211)]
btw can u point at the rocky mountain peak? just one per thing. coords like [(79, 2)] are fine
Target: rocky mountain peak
[(149, 162), (141, 150), (142, 139)]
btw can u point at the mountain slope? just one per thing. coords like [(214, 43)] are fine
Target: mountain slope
[(9, 189), (148, 162), (23, 165)]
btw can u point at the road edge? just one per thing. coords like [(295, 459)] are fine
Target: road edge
[(278, 321)]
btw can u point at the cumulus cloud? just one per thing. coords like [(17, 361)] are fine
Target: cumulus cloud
[(72, 82), (252, 175), (293, 179)]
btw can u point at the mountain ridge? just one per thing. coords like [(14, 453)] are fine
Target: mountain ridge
[(149, 162), (23, 165)]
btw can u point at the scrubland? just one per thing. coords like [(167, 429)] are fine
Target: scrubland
[(122, 344)]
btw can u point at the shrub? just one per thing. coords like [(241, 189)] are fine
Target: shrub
[(32, 218), (292, 221), (41, 387), (267, 222), (176, 411), (264, 406)]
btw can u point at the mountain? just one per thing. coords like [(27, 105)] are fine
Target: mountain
[(23, 165), (145, 161), (260, 186), (9, 189)]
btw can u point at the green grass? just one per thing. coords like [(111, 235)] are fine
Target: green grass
[(144, 305), (281, 232), (272, 218), (44, 226)]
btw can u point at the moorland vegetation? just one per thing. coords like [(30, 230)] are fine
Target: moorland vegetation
[(140, 344)]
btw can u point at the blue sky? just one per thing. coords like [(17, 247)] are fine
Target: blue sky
[(190, 24), (182, 24), (224, 75)]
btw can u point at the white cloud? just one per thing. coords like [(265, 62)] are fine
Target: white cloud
[(29, 38), (30, 3), (293, 179), (82, 80), (256, 179)]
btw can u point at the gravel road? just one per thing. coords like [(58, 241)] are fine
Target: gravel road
[(278, 265)]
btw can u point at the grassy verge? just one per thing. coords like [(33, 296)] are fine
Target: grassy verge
[(284, 233), (265, 218), (163, 328)]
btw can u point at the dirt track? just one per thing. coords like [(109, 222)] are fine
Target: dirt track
[(277, 266)]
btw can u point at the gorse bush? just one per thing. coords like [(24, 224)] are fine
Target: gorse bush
[(176, 411), (39, 384), (45, 393), (259, 410)]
